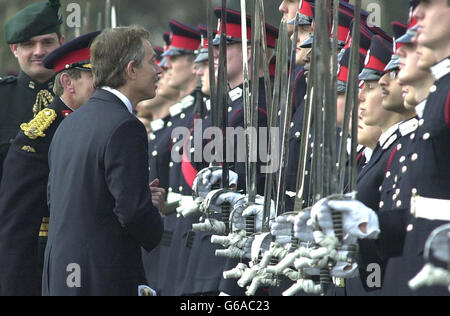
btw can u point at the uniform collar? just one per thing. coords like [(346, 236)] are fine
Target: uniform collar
[(29, 83), (121, 96), (179, 107), (386, 135), (367, 152), (441, 69), (420, 108)]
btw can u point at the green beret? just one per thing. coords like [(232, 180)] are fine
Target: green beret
[(37, 19)]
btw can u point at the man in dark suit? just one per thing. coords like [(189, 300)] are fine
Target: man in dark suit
[(23, 188), (101, 207)]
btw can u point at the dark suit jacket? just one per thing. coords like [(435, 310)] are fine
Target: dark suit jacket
[(101, 209)]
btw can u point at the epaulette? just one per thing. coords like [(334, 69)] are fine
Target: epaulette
[(408, 126), (41, 122), (7, 80)]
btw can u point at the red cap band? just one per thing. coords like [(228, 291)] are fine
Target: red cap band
[(71, 58), (183, 42)]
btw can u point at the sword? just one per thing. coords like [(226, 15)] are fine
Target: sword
[(272, 112), (222, 92), (246, 88), (252, 121), (107, 14), (351, 105), (286, 116), (212, 81)]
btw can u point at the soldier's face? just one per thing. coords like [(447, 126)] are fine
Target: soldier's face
[(30, 55), (234, 63), (164, 89), (84, 88), (391, 92), (289, 8), (181, 71), (367, 135), (203, 73), (434, 24), (427, 58), (409, 69), (304, 31), (372, 113)]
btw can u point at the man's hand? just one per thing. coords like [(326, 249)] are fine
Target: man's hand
[(158, 195)]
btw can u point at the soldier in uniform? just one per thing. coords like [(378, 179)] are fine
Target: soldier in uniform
[(32, 34), (23, 189), (174, 251), (102, 210)]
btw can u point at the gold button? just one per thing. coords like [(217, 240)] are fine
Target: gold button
[(169, 190), (396, 179), (402, 158), (381, 204), (152, 136), (399, 203), (421, 121), (380, 188), (171, 164), (297, 134), (292, 124), (230, 109), (433, 88), (169, 124), (399, 146), (413, 135), (388, 174), (409, 228), (394, 197), (404, 169), (182, 116), (180, 189), (414, 157), (397, 191), (154, 153), (426, 136), (414, 191)]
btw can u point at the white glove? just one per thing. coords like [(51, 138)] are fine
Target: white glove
[(354, 213), (345, 270), (303, 230), (207, 177), (282, 228), (228, 197), (241, 211)]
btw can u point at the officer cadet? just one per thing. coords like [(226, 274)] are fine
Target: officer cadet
[(235, 107), (32, 34), (289, 8), (391, 116), (423, 163), (174, 254), (23, 189), (419, 81), (159, 138)]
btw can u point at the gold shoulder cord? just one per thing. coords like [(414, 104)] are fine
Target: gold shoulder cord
[(43, 99), (36, 127)]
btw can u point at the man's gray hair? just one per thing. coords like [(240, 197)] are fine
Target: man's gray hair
[(111, 52)]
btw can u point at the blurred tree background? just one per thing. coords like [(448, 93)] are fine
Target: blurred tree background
[(155, 14)]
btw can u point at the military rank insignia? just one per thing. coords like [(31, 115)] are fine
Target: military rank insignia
[(28, 149), (36, 127)]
